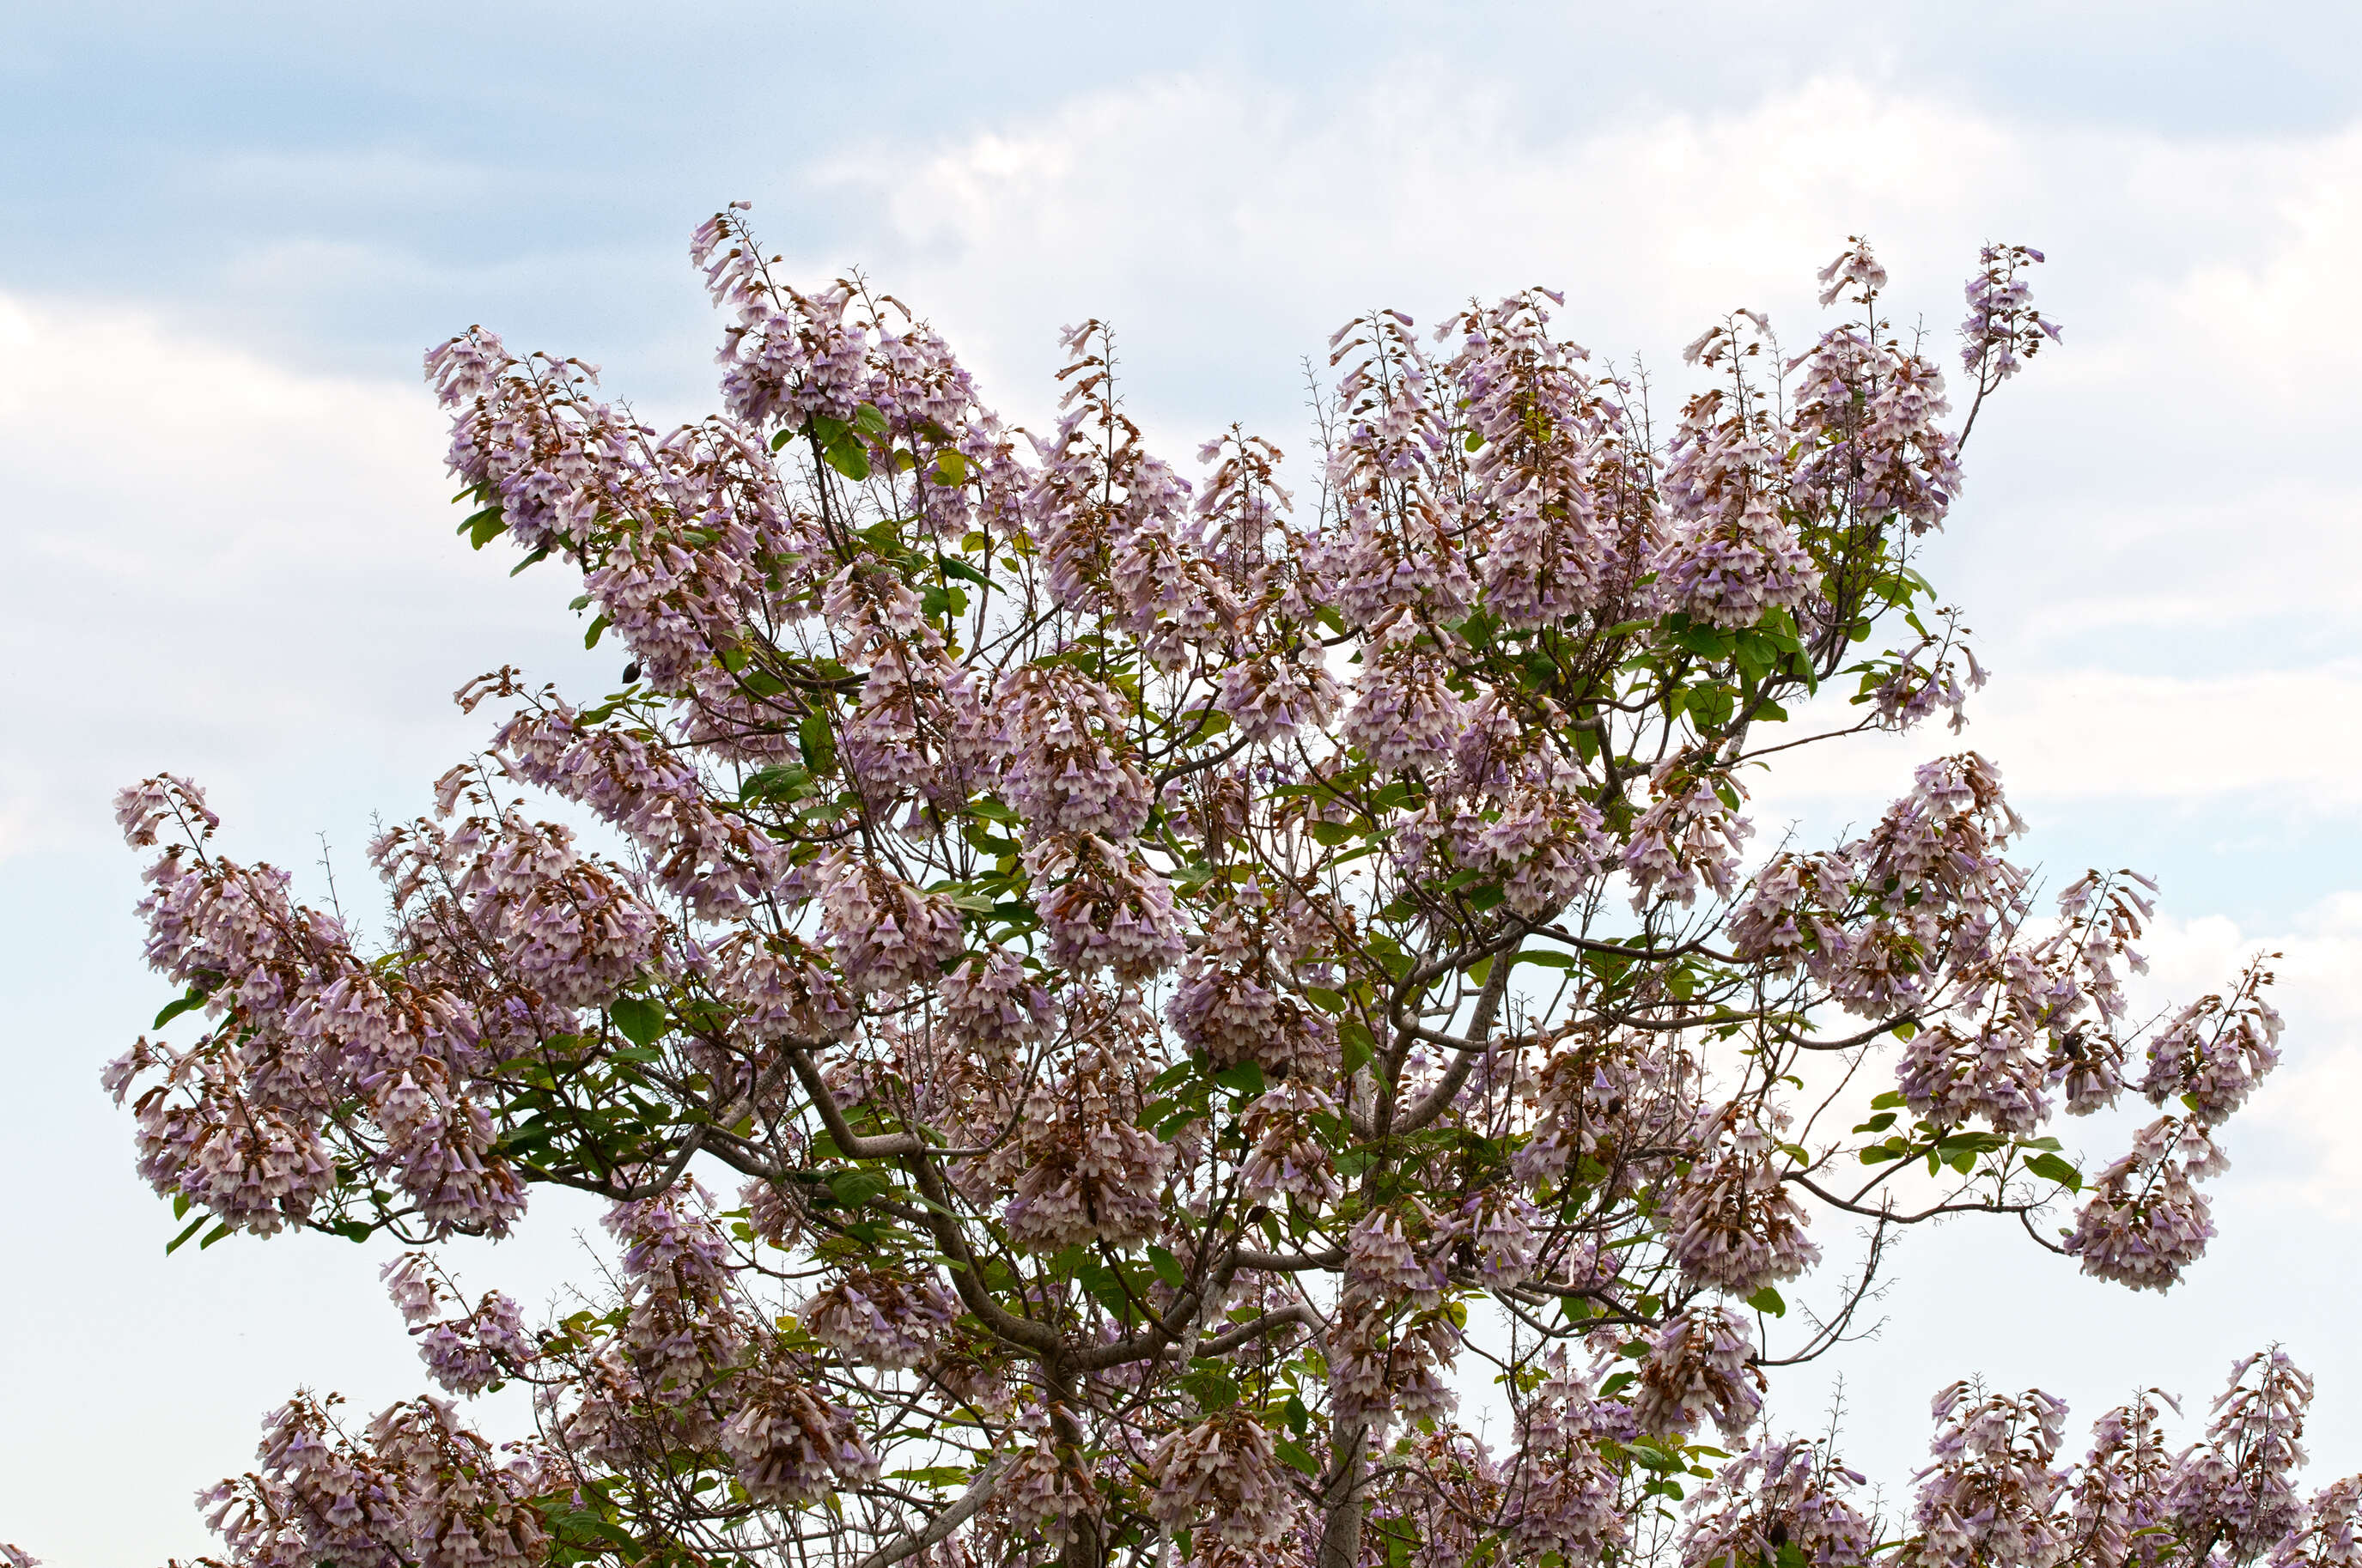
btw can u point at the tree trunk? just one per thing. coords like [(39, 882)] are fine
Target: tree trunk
[(1341, 1530), (1088, 1548)]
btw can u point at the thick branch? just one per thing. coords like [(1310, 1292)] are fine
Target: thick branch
[(854, 1146), (1437, 1100), (1292, 1263), (910, 1542), (1270, 1323)]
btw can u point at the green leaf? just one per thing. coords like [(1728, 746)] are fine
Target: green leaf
[(1245, 1078), (950, 467), (576, 1524), (847, 458), (195, 999), (1892, 1100), (1324, 998), (1172, 1077), (215, 1235), (954, 567), (195, 1225), (2050, 1167), (1170, 1127), (1358, 1047), (867, 417), (817, 741), (1294, 1456), (935, 1475), (853, 1188), (774, 783), (1768, 1301), (1211, 1387), (641, 1020), (1649, 1456), (1167, 1266)]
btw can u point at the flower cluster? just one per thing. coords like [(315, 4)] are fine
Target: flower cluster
[(2214, 1052), (2146, 1222), (1776, 1497), (2004, 329), (2117, 1504), (1991, 1495), (415, 1487), (510, 931), (1105, 909), (1079, 1168), (884, 933), (1700, 1366), (880, 1318), (464, 1354), (1222, 1479), (1731, 1223), (2237, 1488), (1170, 970), (1559, 1494)]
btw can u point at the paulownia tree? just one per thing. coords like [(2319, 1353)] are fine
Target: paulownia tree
[(1105, 1006)]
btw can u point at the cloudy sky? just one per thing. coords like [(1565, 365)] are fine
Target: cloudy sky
[(230, 230)]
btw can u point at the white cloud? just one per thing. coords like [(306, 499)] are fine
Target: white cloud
[(247, 573), (229, 569), (1169, 193), (2297, 1136), (2158, 536), (2174, 463), (2267, 741), (222, 567), (1197, 202)]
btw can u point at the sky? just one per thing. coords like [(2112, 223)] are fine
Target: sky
[(227, 232)]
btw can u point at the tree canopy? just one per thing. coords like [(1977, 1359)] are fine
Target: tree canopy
[(1111, 1009)]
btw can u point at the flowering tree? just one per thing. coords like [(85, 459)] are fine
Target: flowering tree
[(1106, 1006)]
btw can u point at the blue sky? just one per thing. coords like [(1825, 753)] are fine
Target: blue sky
[(231, 231)]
